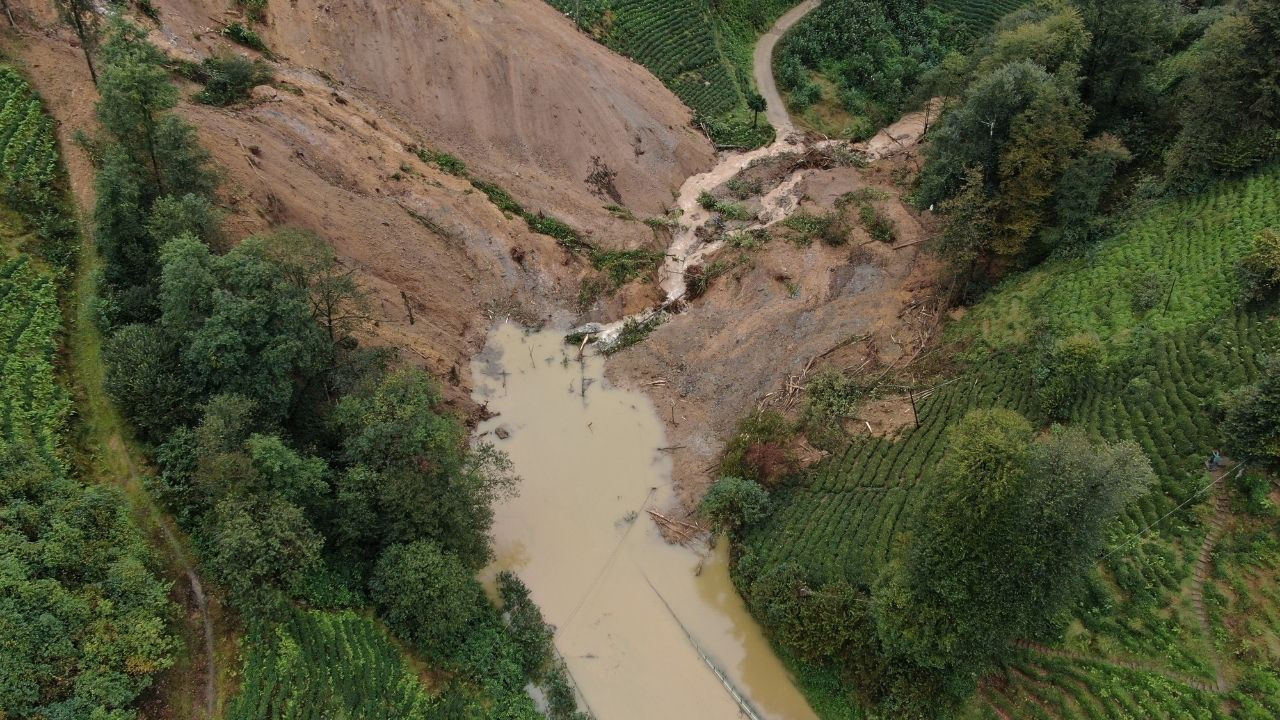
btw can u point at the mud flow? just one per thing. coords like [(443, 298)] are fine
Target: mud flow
[(648, 629)]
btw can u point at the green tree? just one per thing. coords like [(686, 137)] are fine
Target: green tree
[(412, 473), (242, 326), (1078, 196), (149, 153), (1259, 270), (1228, 106), (1008, 539), (257, 547), (756, 104), (83, 18), (1130, 38), (1252, 417), (733, 504), (428, 596)]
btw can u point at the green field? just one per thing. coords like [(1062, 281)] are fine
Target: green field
[(328, 665), (33, 408), (976, 17), (703, 55), (1161, 295)]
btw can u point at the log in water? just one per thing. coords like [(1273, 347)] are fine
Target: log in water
[(645, 635)]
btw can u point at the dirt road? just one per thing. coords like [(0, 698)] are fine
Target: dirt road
[(776, 111)]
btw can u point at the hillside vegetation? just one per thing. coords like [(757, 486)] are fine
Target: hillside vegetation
[(84, 618), (1122, 258), (318, 484), (699, 49)]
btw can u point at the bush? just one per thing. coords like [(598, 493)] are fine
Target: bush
[(229, 78), (761, 449), (878, 225), (733, 504), (428, 596), (243, 35), (1070, 368), (1252, 417), (1259, 271)]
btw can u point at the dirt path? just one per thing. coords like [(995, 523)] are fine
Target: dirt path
[(1187, 680), (1217, 525), (762, 62)]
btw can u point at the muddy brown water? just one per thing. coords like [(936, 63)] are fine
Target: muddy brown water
[(647, 629)]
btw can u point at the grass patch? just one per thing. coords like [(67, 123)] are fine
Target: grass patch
[(808, 226), (241, 34), (443, 160), (623, 266), (633, 331)]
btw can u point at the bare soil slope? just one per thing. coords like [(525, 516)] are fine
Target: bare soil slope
[(511, 87), (786, 312), (506, 90)]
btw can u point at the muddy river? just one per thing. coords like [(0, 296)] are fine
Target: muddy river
[(648, 629)]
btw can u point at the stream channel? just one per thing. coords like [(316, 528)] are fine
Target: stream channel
[(648, 629)]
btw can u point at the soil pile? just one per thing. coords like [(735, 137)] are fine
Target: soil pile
[(513, 89)]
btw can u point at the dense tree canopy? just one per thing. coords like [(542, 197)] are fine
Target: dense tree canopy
[(1013, 530)]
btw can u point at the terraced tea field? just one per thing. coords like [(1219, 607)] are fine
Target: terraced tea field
[(975, 17), (32, 406), (328, 665), (702, 54), (1161, 295)]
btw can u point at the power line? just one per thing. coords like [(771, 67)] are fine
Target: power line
[(1184, 503)]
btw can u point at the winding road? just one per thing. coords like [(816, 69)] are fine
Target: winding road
[(762, 64)]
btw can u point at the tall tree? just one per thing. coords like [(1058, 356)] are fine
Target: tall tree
[(1229, 102), (1012, 532), (83, 18), (412, 469), (756, 104)]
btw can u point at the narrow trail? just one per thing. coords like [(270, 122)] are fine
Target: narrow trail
[(762, 64), (1177, 677), (116, 460), (1217, 524)]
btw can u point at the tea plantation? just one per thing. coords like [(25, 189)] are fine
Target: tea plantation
[(975, 17), (702, 54), (1162, 297), (326, 665)]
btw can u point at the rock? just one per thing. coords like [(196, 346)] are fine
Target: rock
[(502, 433), (264, 93)]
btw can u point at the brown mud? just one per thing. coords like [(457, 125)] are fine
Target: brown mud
[(648, 629)]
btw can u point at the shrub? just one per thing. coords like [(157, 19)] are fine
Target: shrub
[(1259, 271), (1070, 368), (443, 160), (242, 34), (229, 78), (761, 449), (498, 196), (1252, 417), (732, 504), (428, 596), (878, 225), (707, 200), (623, 266), (827, 227)]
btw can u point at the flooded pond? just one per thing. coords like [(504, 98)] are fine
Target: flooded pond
[(644, 633)]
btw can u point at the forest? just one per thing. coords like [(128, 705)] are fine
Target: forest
[(1105, 178)]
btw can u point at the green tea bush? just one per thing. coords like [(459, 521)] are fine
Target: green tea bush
[(228, 79), (733, 504)]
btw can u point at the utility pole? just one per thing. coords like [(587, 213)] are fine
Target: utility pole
[(914, 414)]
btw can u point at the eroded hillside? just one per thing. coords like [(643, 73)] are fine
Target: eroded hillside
[(512, 89)]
